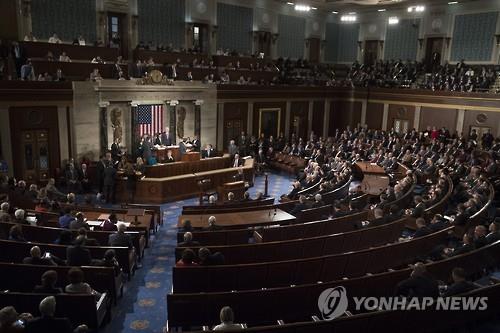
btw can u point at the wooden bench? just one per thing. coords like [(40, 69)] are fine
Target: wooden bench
[(102, 279), (11, 251), (297, 303), (49, 235), (306, 270), (79, 309)]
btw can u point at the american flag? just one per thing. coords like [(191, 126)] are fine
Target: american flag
[(149, 119)]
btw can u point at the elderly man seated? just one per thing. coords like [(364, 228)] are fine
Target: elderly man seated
[(120, 238)]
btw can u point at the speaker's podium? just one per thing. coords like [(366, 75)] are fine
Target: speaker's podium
[(237, 187)]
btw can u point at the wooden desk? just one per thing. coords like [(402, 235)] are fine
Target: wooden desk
[(240, 219), (191, 156), (160, 190), (182, 168), (161, 153), (238, 188), (370, 168)]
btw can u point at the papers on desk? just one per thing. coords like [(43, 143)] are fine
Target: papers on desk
[(31, 220), (100, 223)]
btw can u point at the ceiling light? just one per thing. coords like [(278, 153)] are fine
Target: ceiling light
[(352, 13), (417, 9), (381, 10), (334, 12), (290, 3), (452, 2), (314, 8), (393, 20), (302, 8), (348, 18)]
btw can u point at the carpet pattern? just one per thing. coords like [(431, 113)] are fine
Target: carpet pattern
[(143, 307)]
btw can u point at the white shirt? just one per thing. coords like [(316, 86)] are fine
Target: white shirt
[(81, 42), (54, 40)]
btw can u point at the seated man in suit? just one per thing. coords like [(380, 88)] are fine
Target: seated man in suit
[(419, 209), (79, 222), (209, 259), (169, 158), (301, 205), (48, 286), (460, 284), (212, 226), (120, 238), (188, 241), (47, 322), (78, 255), (379, 219), (84, 179), (4, 212), (494, 231), (36, 258), (419, 284), (208, 152)]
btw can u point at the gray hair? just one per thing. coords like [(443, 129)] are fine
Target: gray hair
[(5, 206), (211, 199), (188, 236), (211, 220), (19, 214), (47, 306), (121, 226)]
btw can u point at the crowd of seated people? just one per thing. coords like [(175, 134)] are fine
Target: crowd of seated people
[(460, 78)]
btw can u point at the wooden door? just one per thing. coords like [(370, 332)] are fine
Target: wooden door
[(35, 152), (314, 46), (264, 43), (200, 38), (371, 52)]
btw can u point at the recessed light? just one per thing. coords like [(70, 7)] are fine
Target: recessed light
[(352, 13), (290, 3), (302, 8), (452, 2), (314, 8), (381, 10), (393, 20), (335, 12)]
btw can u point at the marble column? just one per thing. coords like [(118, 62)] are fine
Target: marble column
[(172, 106), (288, 111), (326, 119), (310, 111), (197, 117), (103, 131)]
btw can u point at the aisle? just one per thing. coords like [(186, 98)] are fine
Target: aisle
[(143, 307)]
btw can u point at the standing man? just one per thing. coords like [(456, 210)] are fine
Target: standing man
[(166, 140), (116, 153), (196, 143), (109, 183)]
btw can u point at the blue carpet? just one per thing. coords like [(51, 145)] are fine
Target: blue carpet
[(143, 307)]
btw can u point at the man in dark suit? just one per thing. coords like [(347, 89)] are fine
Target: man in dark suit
[(120, 238), (480, 236), (419, 209), (36, 258), (166, 139), (209, 259), (188, 241), (379, 219), (78, 255), (419, 284), (101, 165), (169, 158), (182, 146), (300, 206), (84, 178), (208, 152), (494, 233), (460, 284), (109, 183), (72, 178), (196, 144), (47, 322)]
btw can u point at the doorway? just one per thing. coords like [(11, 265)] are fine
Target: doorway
[(371, 52), (35, 163), (433, 53), (269, 122), (117, 32), (401, 125), (263, 43), (200, 38), (314, 46)]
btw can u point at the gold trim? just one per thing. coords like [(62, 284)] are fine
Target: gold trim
[(270, 110)]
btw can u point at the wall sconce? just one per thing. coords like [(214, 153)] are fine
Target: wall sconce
[(420, 42)]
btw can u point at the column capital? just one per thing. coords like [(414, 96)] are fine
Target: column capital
[(198, 102), (134, 103), (103, 104), (173, 102)]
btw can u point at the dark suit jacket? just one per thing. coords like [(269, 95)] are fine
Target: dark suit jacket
[(109, 176), (459, 288), (48, 324), (189, 244), (418, 286), (166, 141), (120, 239), (205, 153), (78, 256), (196, 145)]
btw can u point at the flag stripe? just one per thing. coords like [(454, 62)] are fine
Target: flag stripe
[(149, 119)]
